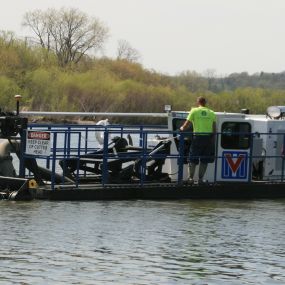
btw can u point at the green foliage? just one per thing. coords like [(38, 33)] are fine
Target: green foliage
[(192, 81), (106, 85), (8, 88)]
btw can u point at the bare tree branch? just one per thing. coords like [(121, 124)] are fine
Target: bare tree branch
[(67, 32), (127, 52)]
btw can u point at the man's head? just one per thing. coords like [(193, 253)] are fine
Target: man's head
[(201, 101)]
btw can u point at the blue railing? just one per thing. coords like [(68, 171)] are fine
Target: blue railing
[(71, 143)]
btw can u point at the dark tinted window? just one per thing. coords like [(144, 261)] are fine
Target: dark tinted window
[(177, 123), (235, 135)]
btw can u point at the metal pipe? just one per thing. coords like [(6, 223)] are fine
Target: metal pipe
[(74, 114), (18, 98)]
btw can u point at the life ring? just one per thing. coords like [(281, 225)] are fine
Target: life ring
[(99, 134)]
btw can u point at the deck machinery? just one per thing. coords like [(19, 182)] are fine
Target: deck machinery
[(64, 162)]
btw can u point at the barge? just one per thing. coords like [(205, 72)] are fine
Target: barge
[(104, 161)]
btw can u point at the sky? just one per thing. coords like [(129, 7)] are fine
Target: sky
[(173, 36)]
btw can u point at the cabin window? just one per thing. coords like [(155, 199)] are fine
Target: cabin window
[(235, 135), (177, 123)]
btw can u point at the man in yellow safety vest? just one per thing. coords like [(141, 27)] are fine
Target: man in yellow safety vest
[(203, 120)]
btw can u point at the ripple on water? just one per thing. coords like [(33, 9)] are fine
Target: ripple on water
[(142, 242)]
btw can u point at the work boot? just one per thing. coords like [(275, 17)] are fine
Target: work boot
[(202, 182), (190, 181)]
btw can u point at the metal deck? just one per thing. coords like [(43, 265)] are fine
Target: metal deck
[(169, 191)]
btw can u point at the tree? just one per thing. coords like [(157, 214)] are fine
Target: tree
[(126, 52), (67, 32), (7, 38), (193, 81)]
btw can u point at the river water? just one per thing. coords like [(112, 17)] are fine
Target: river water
[(143, 242)]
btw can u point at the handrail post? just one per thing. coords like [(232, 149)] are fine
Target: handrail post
[(180, 158), (48, 159), (68, 141), (283, 157), (216, 156), (86, 140), (78, 161), (53, 160), (144, 159), (23, 135), (105, 158), (250, 157), (141, 136)]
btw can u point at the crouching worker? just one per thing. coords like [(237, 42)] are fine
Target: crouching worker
[(203, 120)]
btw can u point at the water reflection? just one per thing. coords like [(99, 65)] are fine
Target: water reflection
[(142, 242)]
